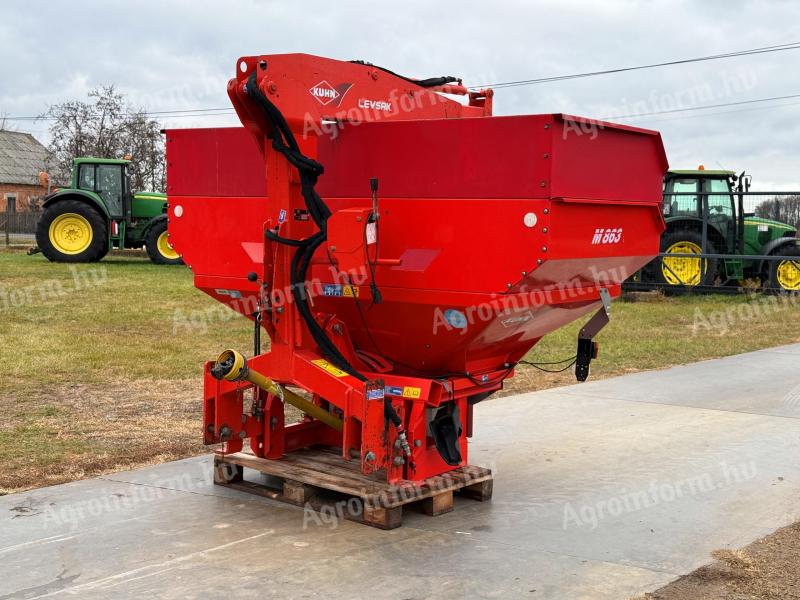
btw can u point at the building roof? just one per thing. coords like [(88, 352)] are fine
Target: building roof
[(22, 157)]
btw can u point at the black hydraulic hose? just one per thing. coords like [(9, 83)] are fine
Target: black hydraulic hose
[(286, 241), (283, 141), (299, 267), (425, 83), (309, 170)]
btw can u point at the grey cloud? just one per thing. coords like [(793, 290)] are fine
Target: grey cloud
[(175, 55)]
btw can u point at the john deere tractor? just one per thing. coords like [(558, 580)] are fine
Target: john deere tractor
[(98, 211), (695, 200)]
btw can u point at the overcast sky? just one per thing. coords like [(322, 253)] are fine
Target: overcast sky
[(172, 55)]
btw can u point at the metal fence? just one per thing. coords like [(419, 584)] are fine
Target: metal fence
[(18, 228), (729, 213)]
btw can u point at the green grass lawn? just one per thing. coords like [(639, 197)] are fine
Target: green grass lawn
[(651, 331), (102, 363), (120, 319)]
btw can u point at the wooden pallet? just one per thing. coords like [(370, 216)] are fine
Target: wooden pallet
[(321, 480)]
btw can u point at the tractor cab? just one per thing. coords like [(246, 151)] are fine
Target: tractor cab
[(109, 179), (707, 195)]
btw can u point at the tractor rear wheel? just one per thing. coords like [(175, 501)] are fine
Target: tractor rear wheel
[(158, 247), (72, 231), (685, 271), (784, 275)]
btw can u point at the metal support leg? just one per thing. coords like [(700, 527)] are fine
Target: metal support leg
[(587, 349)]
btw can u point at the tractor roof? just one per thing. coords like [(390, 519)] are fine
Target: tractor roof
[(702, 173), (100, 161)]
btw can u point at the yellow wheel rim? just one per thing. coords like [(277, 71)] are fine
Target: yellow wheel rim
[(70, 233), (682, 271), (165, 249), (789, 275)]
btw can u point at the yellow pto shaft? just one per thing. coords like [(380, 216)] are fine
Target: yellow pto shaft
[(232, 366)]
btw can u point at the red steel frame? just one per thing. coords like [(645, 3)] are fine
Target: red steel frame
[(446, 213)]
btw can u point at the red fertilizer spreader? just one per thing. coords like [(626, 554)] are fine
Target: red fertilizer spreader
[(402, 248)]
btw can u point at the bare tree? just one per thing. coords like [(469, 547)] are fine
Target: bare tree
[(785, 209), (106, 126), (146, 145)]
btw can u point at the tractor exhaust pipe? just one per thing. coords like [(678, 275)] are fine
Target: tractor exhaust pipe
[(232, 366)]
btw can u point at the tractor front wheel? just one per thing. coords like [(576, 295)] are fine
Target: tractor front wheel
[(684, 270), (784, 275), (158, 247), (71, 231)]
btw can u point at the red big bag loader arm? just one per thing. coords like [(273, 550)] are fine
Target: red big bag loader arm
[(309, 90), (347, 291)]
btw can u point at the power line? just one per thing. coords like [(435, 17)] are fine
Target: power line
[(705, 107), (718, 112), (219, 111), (751, 51), (188, 110), (193, 112)]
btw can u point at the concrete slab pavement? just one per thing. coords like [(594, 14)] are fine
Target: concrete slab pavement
[(603, 490)]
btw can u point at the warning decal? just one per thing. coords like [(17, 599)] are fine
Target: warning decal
[(326, 366), (411, 392), (347, 291), (406, 392)]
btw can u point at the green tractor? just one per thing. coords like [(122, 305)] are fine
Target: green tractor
[(713, 199), (98, 211)]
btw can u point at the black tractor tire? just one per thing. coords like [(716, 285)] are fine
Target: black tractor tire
[(784, 274), (80, 232), (154, 251), (103, 252), (694, 239)]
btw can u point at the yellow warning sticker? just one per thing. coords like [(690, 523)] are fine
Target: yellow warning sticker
[(326, 366), (411, 392), (341, 291)]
